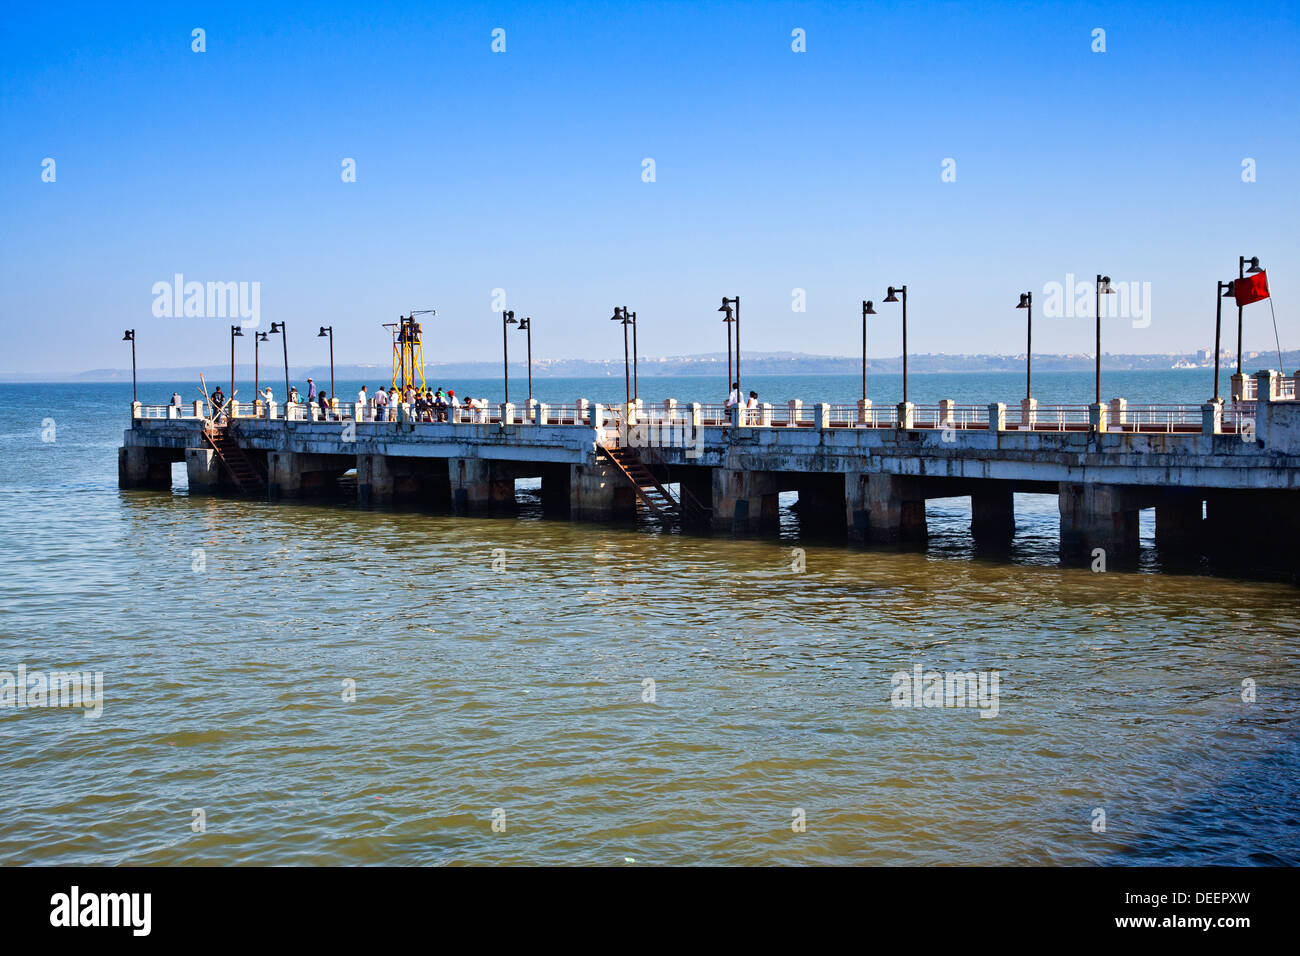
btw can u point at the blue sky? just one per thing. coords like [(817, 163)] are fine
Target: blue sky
[(522, 171)]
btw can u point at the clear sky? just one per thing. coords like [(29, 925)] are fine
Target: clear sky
[(775, 170)]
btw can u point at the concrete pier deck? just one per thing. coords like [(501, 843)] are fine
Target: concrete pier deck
[(1214, 474)]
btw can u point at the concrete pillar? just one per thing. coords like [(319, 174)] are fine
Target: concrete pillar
[(947, 408), (1097, 417), (1098, 516), (906, 415), (1267, 385), (823, 415), (895, 508), (135, 409), (745, 502), (997, 416), (1028, 412), (765, 414), (670, 408), (1237, 387), (284, 474), (143, 468), (385, 480), (598, 492), (992, 512), (864, 411), (796, 409), (203, 469), (697, 415), (234, 408), (478, 485), (530, 411), (582, 418), (1118, 412), (1212, 417), (1179, 521), (541, 413), (198, 408)]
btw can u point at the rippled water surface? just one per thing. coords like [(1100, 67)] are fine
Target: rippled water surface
[(522, 689)]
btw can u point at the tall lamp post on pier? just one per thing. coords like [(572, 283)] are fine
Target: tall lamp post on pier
[(636, 389), (1242, 272), (328, 330), (621, 315), (892, 295), (1225, 291), (867, 309), (526, 325), (1103, 288), (726, 307), (258, 339), (129, 336), (235, 333), (507, 319), (277, 328), (1027, 303)]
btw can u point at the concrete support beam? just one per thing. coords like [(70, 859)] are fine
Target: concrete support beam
[(992, 513), (745, 502), (284, 474), (144, 467), (203, 469), (599, 492), (478, 485), (1098, 516), (884, 508), (419, 482)]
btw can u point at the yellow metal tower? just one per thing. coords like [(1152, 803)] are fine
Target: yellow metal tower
[(408, 349)]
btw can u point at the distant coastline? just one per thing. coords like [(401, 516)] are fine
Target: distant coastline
[(757, 363)]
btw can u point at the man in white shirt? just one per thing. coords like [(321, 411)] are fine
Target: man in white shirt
[(381, 404), (363, 401), (734, 398)]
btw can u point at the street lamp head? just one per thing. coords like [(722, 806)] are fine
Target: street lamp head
[(1229, 289), (1025, 299), (277, 328), (729, 316), (261, 336), (323, 333), (1254, 265), (868, 307), (1104, 287), (891, 295), (236, 332), (523, 324), (128, 335), (509, 317)]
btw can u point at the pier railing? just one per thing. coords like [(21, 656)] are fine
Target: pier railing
[(1238, 415)]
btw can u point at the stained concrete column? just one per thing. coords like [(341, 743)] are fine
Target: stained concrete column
[(478, 485), (284, 474), (143, 467), (1098, 516), (598, 492), (893, 509), (992, 512), (1180, 523), (203, 469), (419, 482), (745, 502)]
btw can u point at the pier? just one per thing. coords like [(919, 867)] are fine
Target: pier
[(1217, 474)]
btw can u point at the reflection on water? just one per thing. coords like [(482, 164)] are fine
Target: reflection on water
[(523, 690)]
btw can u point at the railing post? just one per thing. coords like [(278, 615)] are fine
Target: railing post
[(1119, 412), (1097, 417), (1028, 412), (598, 416), (946, 408), (1266, 386), (796, 409), (135, 409), (906, 415), (198, 408), (864, 411), (541, 413), (173, 411), (697, 415), (997, 416), (736, 413), (581, 415), (823, 415), (765, 418), (507, 413), (1238, 388), (670, 408), (1212, 417), (234, 408)]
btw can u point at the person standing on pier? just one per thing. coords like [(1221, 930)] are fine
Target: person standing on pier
[(218, 401), (381, 404), (311, 391), (176, 399), (324, 406), (734, 398), (363, 402)]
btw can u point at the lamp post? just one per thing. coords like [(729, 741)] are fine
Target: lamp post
[(729, 316), (892, 296), (1242, 272), (1027, 303), (734, 301), (636, 389), (526, 325), (1225, 291), (324, 331), (129, 336), (1103, 288), (867, 309), (507, 319), (258, 339), (277, 328), (621, 315), (235, 333)]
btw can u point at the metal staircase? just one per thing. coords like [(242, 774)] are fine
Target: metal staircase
[(247, 477), (650, 487)]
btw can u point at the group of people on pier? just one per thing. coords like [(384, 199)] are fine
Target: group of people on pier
[(426, 404)]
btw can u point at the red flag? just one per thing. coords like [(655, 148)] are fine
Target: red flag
[(1251, 289)]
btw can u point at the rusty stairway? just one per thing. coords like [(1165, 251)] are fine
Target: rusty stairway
[(650, 488), (247, 477)]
